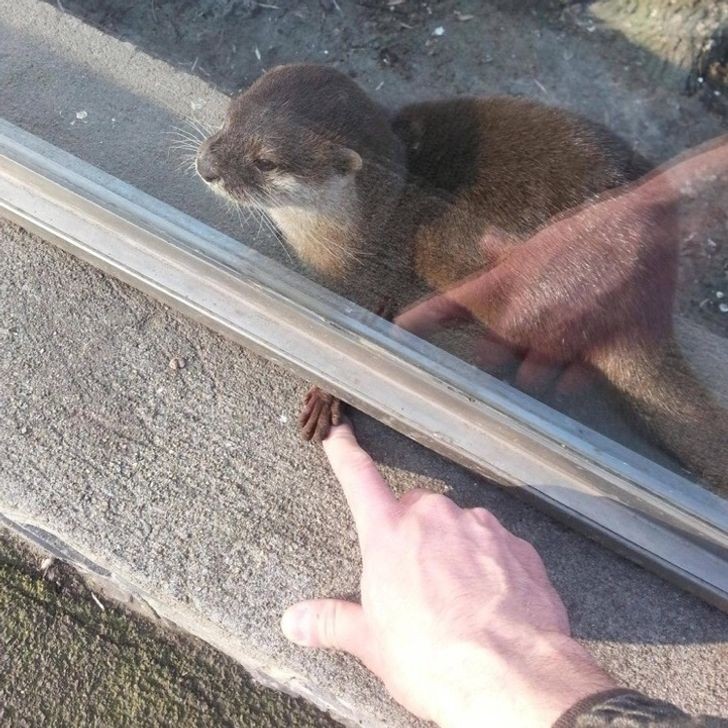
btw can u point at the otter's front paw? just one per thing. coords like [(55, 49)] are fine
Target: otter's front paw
[(321, 411)]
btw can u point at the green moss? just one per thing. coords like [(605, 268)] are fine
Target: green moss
[(65, 662)]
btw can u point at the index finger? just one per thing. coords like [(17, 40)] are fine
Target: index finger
[(371, 500)]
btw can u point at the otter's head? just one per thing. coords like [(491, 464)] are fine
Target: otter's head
[(295, 132)]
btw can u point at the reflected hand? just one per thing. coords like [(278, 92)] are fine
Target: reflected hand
[(601, 275), (457, 615)]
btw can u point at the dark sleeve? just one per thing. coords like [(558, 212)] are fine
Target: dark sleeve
[(623, 708)]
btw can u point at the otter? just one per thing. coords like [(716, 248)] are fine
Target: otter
[(382, 206)]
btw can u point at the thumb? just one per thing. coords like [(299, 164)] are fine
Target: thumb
[(332, 623)]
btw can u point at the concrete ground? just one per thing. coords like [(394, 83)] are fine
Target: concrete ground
[(72, 658), (189, 487)]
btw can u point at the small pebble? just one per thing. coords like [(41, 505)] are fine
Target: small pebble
[(438, 31), (723, 307), (719, 294), (81, 114), (177, 362)]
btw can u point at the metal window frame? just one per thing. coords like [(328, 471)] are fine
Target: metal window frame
[(649, 514)]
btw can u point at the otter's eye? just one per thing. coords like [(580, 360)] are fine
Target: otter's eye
[(264, 165)]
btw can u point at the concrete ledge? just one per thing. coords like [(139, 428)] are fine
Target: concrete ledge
[(184, 489), (662, 521)]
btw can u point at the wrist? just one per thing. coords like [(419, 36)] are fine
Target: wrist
[(524, 682)]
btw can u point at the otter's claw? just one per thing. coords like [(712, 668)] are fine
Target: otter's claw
[(321, 411)]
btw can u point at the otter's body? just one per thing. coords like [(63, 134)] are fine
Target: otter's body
[(482, 176), (502, 164), (504, 168)]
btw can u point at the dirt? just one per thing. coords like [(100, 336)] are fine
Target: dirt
[(217, 38), (72, 658)]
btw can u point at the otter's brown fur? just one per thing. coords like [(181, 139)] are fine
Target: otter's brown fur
[(474, 165), (514, 165)]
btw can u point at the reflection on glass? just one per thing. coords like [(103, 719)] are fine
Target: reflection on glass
[(549, 251)]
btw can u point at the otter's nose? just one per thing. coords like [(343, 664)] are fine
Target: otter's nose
[(207, 166)]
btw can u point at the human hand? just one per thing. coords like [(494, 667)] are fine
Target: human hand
[(457, 616), (600, 276)]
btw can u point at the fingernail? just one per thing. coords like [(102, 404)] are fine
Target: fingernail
[(293, 624)]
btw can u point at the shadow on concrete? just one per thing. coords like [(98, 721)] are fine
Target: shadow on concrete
[(213, 38)]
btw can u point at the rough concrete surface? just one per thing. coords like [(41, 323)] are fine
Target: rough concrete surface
[(191, 483), (75, 658)]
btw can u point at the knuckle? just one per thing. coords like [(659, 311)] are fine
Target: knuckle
[(412, 496), (430, 503), (483, 515), (487, 520), (529, 553), (360, 462), (525, 546)]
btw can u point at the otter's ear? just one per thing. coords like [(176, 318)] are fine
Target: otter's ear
[(346, 161), (410, 131)]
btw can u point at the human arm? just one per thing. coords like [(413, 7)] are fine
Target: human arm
[(459, 619), (457, 615)]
